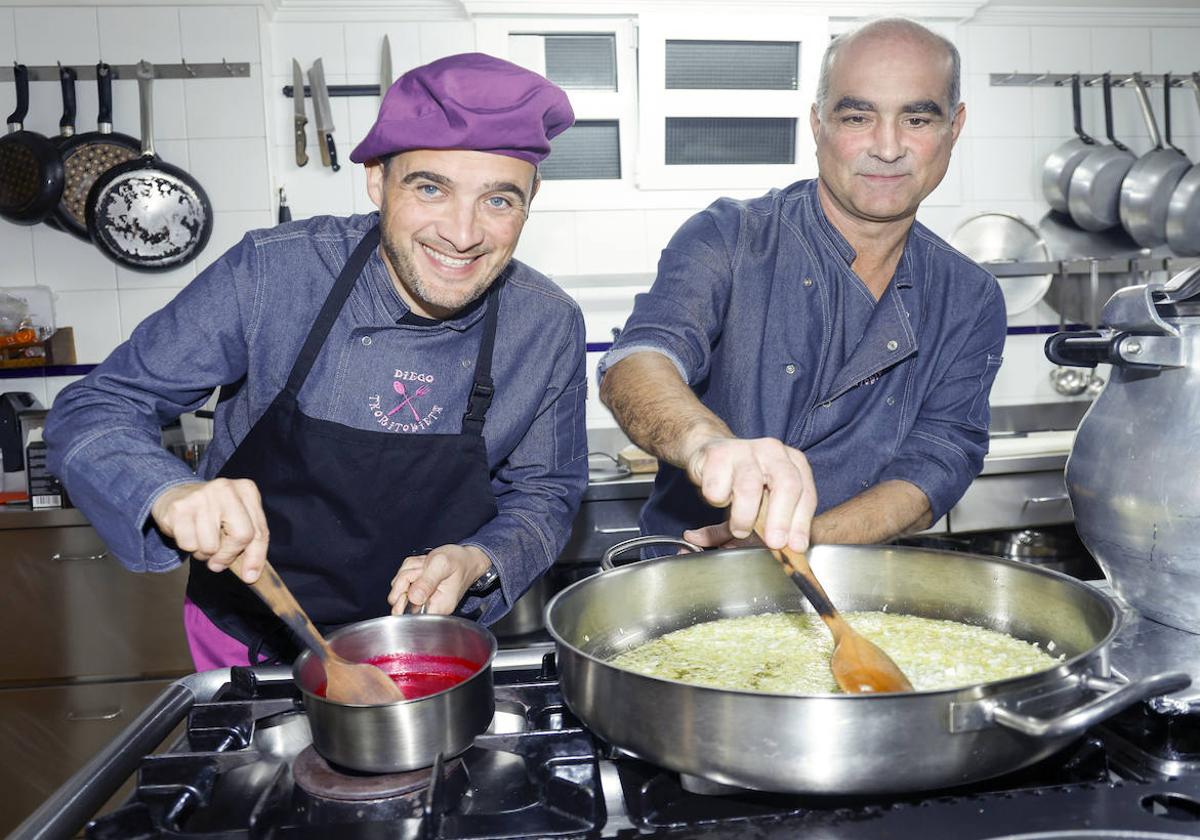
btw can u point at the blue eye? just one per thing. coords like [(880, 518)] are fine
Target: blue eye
[(499, 202), (429, 190)]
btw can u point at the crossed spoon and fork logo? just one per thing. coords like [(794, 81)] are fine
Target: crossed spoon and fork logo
[(399, 388)]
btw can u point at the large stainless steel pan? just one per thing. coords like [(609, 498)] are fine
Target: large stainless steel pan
[(1061, 163), (841, 744), (1146, 190), (1095, 191)]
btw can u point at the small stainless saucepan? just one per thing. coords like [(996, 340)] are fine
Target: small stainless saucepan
[(409, 734)]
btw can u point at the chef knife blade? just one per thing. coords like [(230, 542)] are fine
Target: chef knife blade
[(320, 94), (385, 67), (301, 120)]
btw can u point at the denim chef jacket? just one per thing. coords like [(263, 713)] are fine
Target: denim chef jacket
[(247, 314), (756, 304)]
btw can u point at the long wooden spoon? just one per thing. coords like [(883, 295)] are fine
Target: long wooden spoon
[(359, 684), (859, 666)]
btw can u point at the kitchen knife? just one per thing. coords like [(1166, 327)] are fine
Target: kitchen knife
[(320, 96), (385, 67), (298, 109)]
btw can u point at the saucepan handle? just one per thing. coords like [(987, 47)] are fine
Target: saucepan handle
[(1084, 349), (1115, 695), (606, 561)]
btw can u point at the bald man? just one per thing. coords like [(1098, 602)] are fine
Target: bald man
[(818, 342)]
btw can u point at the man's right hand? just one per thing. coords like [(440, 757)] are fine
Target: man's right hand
[(734, 473), (217, 522)]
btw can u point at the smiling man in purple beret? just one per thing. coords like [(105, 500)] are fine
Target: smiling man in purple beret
[(401, 424)]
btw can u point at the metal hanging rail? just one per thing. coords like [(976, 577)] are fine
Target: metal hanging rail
[(1123, 265), (181, 70), (1087, 79)]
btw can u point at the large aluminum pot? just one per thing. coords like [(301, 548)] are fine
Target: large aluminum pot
[(1132, 470), (840, 744), (409, 734)]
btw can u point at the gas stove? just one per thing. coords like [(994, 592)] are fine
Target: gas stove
[(245, 768)]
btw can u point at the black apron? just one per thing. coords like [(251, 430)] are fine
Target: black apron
[(342, 504)]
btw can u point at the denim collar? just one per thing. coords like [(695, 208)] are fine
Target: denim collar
[(837, 244)]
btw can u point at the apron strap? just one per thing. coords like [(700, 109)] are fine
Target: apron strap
[(482, 389), (329, 312)]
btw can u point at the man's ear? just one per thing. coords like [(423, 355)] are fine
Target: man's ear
[(814, 120), (376, 176), (956, 125)]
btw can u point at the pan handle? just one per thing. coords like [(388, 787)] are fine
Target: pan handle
[(1108, 120), (1084, 349), (16, 119), (606, 561), (1115, 695), (1139, 87), (1077, 109)]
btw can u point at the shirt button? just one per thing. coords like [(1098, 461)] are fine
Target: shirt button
[(366, 340), (865, 484), (892, 345), (807, 281), (790, 368), (466, 363), (827, 404), (891, 400)]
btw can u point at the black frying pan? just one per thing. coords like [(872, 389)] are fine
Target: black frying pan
[(146, 214), (31, 172), (89, 155)]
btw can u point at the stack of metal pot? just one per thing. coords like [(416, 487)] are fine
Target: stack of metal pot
[(1132, 472)]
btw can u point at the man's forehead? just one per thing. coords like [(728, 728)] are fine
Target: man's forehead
[(901, 69)]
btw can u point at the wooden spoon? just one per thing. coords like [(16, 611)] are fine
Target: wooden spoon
[(859, 666), (354, 683)]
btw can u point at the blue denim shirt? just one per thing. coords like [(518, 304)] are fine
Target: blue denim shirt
[(247, 315), (756, 304)]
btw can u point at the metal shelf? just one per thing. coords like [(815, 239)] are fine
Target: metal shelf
[(1086, 79), (1129, 265), (182, 70)]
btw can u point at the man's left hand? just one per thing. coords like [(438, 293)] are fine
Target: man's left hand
[(438, 579)]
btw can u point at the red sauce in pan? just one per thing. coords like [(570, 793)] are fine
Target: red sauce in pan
[(421, 674)]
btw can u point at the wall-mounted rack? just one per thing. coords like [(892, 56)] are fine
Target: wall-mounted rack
[(1124, 265), (1086, 79), (181, 70), (337, 90)]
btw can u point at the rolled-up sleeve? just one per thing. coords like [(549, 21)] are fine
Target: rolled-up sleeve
[(943, 452), (539, 485), (682, 315), (104, 433)]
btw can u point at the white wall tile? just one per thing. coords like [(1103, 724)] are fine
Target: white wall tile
[(16, 264), (306, 42), (548, 243), (96, 319), (1001, 170), (612, 242), (55, 384), (442, 39), (47, 35), (996, 49), (313, 190), (65, 263), (233, 172), (144, 33), (1060, 49), (1120, 49), (1052, 112), (212, 33), (136, 304), (1173, 50), (8, 35), (368, 37), (997, 111), (175, 278), (225, 107)]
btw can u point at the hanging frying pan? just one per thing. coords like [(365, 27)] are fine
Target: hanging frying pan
[(1183, 213), (31, 172), (146, 214), (1095, 191), (89, 155), (1061, 163), (1146, 190), (66, 125)]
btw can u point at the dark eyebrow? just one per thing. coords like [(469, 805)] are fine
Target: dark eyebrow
[(507, 187), (927, 106), (422, 175), (849, 103)]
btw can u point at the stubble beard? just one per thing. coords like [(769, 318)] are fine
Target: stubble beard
[(410, 278)]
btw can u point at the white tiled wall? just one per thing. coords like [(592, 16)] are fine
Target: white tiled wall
[(235, 137)]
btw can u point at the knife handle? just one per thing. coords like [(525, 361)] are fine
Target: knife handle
[(333, 161), (301, 141)]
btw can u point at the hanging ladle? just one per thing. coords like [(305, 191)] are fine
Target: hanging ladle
[(351, 683), (859, 666)]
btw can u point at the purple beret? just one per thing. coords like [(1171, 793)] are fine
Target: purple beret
[(470, 101)]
